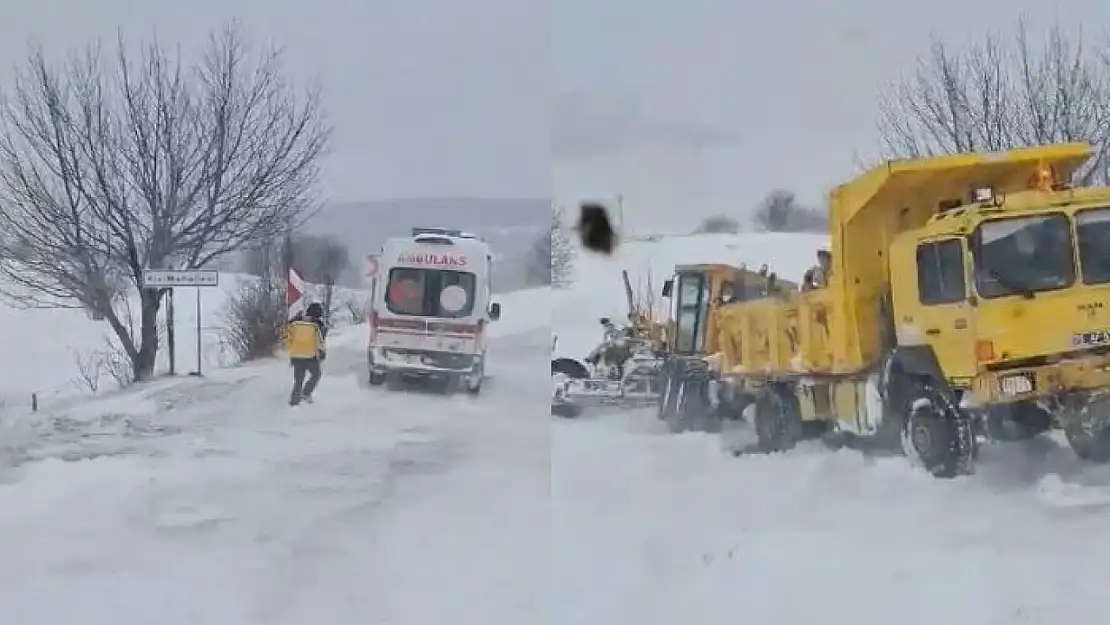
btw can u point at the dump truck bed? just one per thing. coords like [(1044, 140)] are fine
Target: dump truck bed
[(839, 329)]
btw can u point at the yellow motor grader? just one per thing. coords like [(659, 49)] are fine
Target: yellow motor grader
[(688, 374), (967, 296)]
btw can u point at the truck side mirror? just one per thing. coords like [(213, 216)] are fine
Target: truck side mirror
[(495, 311), (606, 321), (668, 288)]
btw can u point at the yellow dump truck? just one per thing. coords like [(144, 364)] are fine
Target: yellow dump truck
[(967, 296)]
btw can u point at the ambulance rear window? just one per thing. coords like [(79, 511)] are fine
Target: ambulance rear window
[(430, 292)]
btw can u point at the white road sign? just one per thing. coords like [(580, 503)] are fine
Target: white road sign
[(171, 278)]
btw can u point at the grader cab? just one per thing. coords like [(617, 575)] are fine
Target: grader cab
[(696, 293)]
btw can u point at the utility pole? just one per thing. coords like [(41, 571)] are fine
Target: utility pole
[(620, 211), (171, 338)]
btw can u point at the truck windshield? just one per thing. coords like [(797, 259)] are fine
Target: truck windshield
[(1023, 255), (1092, 228), (430, 292), (693, 302)]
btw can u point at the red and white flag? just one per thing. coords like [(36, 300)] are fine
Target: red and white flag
[(294, 293)]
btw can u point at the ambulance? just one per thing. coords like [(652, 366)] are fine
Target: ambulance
[(431, 309)]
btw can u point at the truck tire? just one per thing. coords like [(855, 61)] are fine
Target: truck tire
[(1016, 422), (937, 436), (1088, 431), (778, 419)]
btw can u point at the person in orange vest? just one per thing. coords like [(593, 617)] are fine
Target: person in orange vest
[(307, 349)]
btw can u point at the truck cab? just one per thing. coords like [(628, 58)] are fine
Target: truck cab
[(1009, 292)]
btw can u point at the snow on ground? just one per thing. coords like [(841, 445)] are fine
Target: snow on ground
[(210, 501), (656, 529), (55, 344)]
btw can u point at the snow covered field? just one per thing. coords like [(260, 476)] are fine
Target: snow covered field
[(656, 529), (60, 347), (212, 502)]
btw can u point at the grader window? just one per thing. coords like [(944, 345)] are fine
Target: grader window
[(693, 303), (940, 273)]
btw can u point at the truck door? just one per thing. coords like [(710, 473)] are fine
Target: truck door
[(944, 319)]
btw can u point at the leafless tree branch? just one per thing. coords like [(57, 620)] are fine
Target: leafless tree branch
[(999, 93), (111, 164)]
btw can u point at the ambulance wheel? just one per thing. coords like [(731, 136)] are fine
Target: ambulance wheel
[(566, 411), (778, 419), (444, 385), (473, 382), (394, 382)]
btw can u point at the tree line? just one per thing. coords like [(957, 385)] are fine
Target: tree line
[(1026, 85)]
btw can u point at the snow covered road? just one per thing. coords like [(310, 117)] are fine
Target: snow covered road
[(655, 529), (212, 502)]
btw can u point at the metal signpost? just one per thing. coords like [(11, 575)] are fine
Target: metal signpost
[(177, 278)]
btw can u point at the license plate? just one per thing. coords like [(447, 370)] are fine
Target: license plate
[(1091, 339)]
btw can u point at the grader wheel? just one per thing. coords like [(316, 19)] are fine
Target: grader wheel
[(778, 419)]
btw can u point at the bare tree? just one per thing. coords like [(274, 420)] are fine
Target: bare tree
[(109, 165), (1002, 92), (718, 224), (781, 212), (553, 255), (322, 260), (254, 318)]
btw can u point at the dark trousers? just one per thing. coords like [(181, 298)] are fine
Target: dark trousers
[(301, 388)]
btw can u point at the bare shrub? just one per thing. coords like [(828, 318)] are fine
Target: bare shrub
[(718, 224), (90, 370), (357, 309), (254, 319), (780, 212)]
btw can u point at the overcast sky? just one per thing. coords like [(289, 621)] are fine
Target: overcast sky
[(428, 97), (686, 108), (708, 104)]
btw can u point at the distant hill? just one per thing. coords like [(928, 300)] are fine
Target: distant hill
[(511, 226)]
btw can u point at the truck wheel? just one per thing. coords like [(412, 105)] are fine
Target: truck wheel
[(778, 419), (1090, 443), (377, 379), (1016, 422), (938, 437)]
